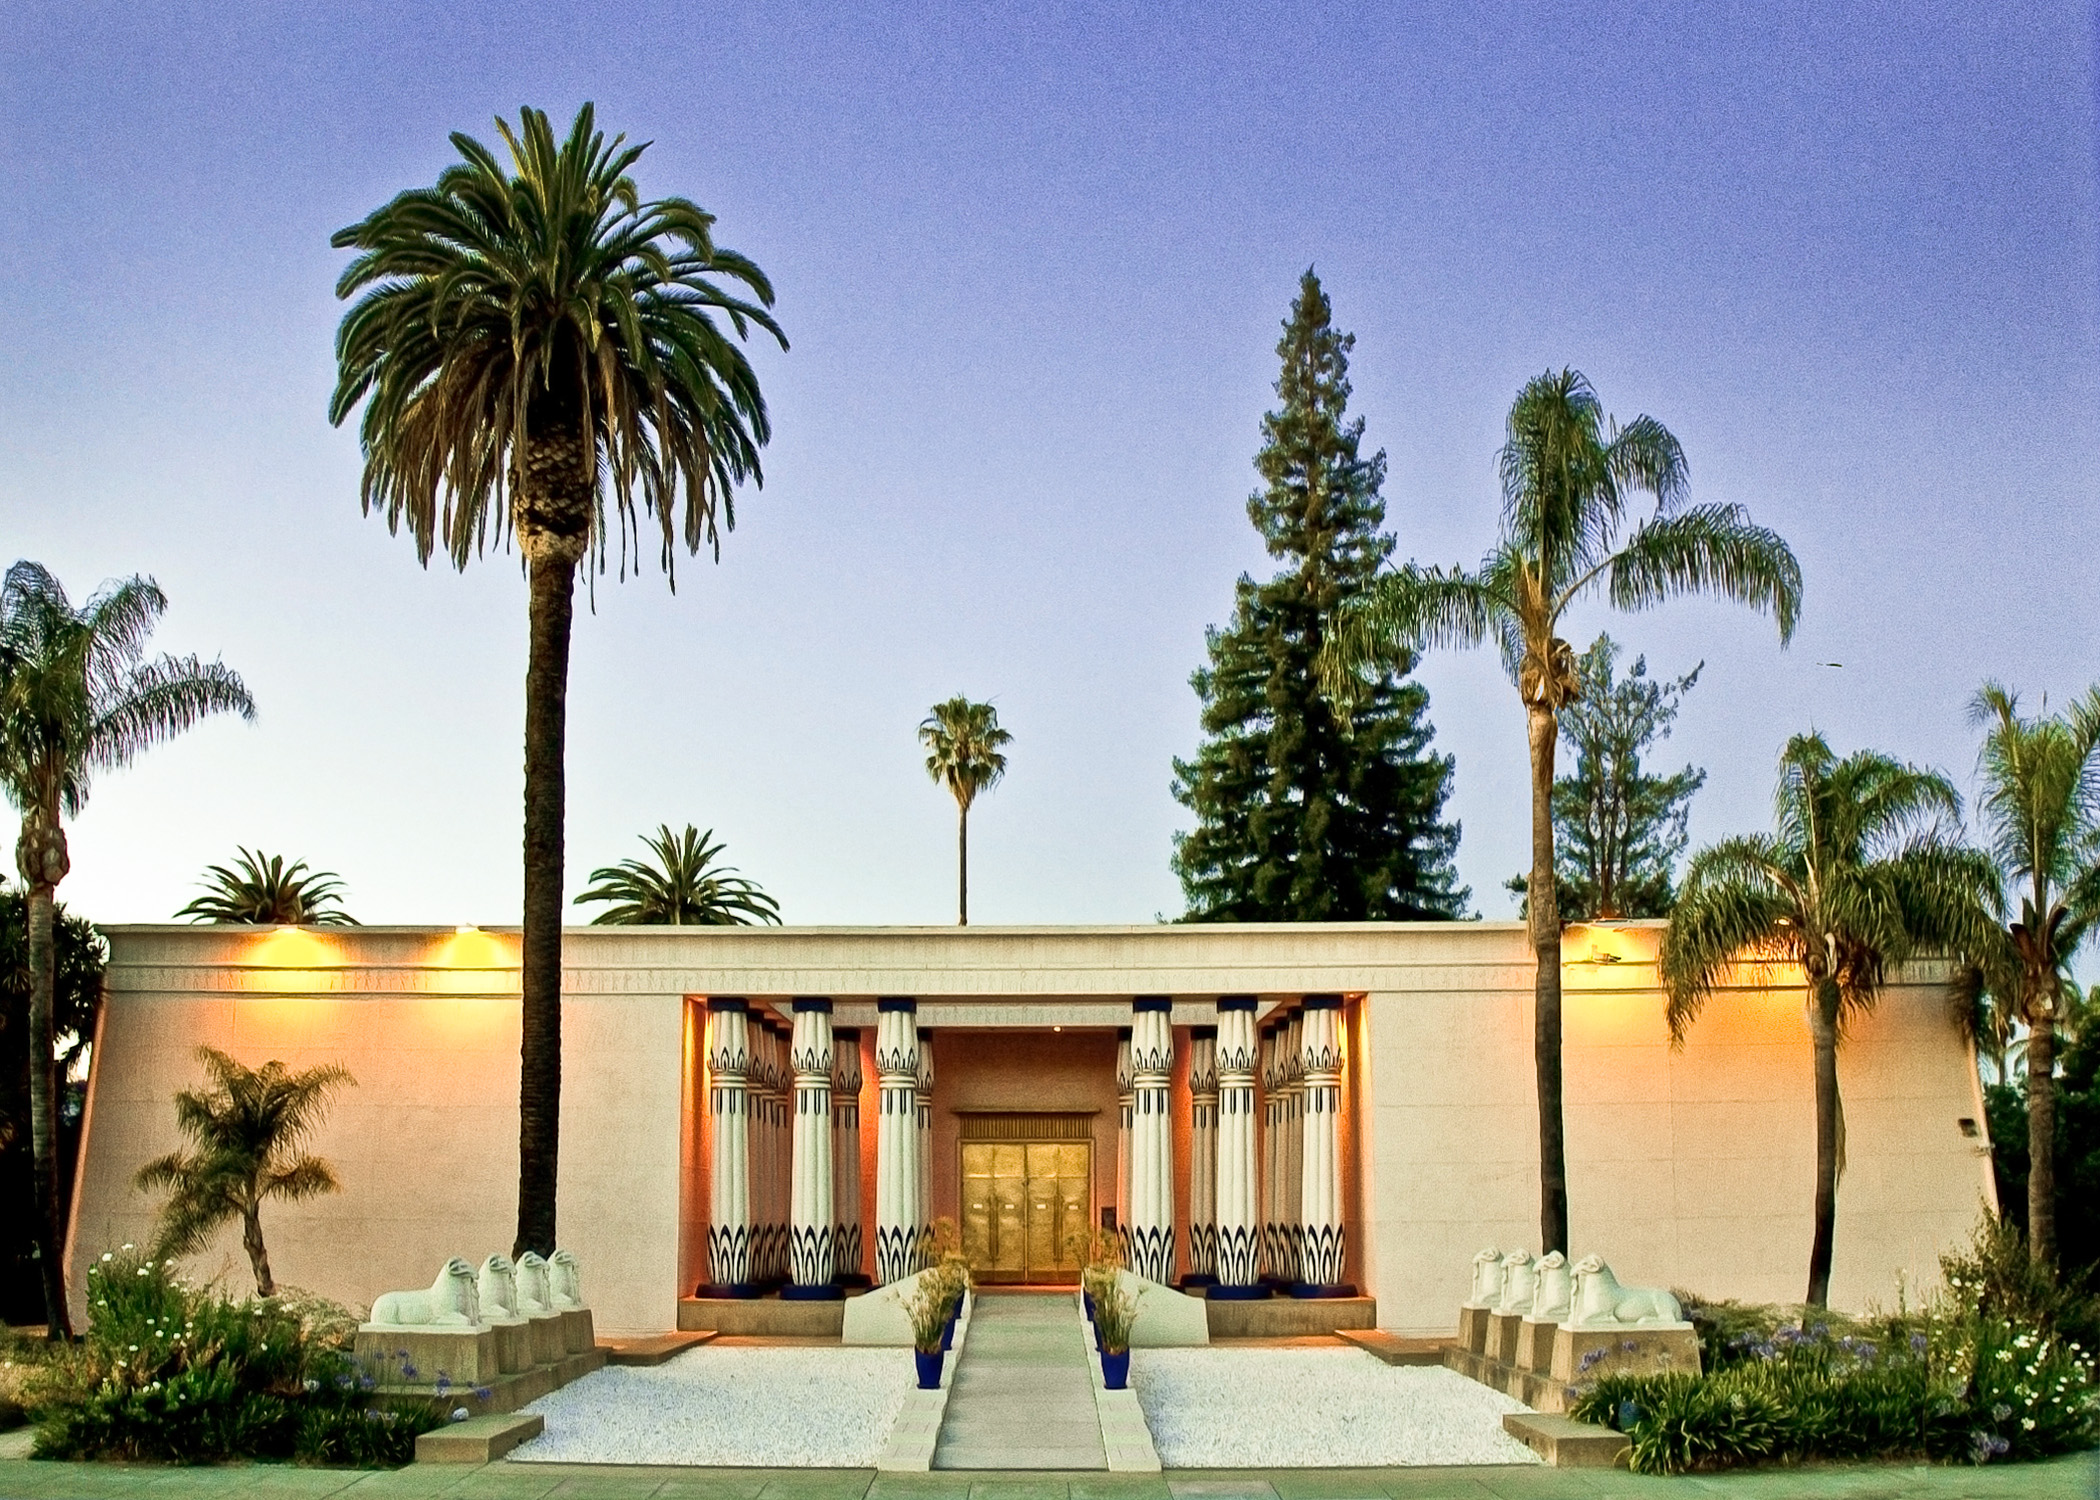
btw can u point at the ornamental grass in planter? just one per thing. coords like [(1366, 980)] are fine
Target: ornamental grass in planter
[(1986, 1372), (929, 1307), (179, 1374), (1115, 1310)]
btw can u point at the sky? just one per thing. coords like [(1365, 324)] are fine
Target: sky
[(1033, 262)]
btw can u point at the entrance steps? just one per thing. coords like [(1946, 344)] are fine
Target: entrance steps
[(1022, 1396)]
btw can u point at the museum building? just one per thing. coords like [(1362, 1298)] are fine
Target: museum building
[(1313, 1111)]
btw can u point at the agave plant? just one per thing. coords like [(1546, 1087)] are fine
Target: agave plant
[(683, 888), (262, 890)]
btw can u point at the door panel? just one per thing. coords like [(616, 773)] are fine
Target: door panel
[(1021, 1201)]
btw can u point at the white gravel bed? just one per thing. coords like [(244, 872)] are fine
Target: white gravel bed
[(820, 1408), (1316, 1408)]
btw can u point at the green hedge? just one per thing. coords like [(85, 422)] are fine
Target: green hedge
[(173, 1373), (1988, 1372)]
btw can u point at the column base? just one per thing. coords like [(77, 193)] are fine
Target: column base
[(736, 1289), (824, 1292), (1196, 1281), (854, 1282), (1221, 1293), (1307, 1290)]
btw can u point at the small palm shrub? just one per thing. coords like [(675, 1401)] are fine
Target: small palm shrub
[(1988, 1372), (179, 1374)]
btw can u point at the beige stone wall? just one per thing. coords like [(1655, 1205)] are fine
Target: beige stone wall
[(1689, 1168)]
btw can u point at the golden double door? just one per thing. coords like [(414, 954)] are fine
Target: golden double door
[(1022, 1201)]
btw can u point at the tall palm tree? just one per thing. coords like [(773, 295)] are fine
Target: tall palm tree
[(964, 753), (2040, 811), (262, 890), (78, 696), (1569, 477), (683, 888), (249, 1129), (520, 332), (1854, 878)]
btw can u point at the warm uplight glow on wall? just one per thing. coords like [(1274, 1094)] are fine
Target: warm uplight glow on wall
[(473, 962), (292, 959)]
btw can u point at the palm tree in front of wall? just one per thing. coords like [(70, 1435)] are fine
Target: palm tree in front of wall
[(260, 889), (1569, 479), (2040, 810), (965, 752), (529, 341), (682, 887), (248, 1132), (1855, 878), (78, 696)]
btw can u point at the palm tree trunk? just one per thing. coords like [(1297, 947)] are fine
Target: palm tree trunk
[(1822, 1029), (258, 1256), (43, 1108), (1545, 946), (552, 606), (2041, 1136), (962, 867)]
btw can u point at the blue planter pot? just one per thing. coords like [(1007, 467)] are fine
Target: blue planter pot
[(1115, 1369), (1089, 1296), (929, 1368), (948, 1333)]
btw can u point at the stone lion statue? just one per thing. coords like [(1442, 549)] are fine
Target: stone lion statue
[(1601, 1302), (1520, 1279), (1487, 1278), (451, 1302), (1554, 1294), (498, 1288), (565, 1279), (535, 1295)]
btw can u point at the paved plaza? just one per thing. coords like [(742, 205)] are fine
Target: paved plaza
[(2064, 1479)]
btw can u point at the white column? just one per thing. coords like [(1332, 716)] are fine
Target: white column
[(922, 1091), (729, 1176), (1271, 1153), (1151, 1138), (1203, 1152), (1320, 1216), (1123, 1139), (766, 1170), (811, 1221), (896, 1139), (1238, 1209), (845, 1153), (1290, 1063)]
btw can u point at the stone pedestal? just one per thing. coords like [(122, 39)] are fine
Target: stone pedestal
[(1501, 1343), (1473, 1328), (549, 1344), (513, 1344), (577, 1334), (1588, 1354), (1535, 1346), (418, 1356)]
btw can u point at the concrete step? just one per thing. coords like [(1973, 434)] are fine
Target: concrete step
[(651, 1349), (1566, 1443), (1393, 1349), (478, 1440)]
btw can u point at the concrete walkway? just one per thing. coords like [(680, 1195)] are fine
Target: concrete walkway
[(1022, 1396)]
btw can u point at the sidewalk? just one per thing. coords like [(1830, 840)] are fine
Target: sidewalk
[(2065, 1479)]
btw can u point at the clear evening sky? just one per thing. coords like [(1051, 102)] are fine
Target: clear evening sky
[(1033, 261)]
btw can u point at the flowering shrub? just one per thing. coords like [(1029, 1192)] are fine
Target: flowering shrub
[(175, 1373), (1964, 1380)]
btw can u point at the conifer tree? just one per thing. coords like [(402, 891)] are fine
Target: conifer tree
[(1306, 811)]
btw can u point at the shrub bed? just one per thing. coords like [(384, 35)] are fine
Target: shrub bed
[(180, 1374), (1987, 1372)]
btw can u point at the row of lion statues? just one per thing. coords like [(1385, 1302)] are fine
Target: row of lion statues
[(1583, 1296), (501, 1292)]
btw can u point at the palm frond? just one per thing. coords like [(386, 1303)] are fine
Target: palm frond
[(1708, 549), (965, 748), (263, 890), (1739, 901), (684, 887)]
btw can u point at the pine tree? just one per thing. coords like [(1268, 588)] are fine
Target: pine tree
[(1306, 812)]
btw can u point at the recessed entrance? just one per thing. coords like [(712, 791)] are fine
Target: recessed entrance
[(1027, 1188)]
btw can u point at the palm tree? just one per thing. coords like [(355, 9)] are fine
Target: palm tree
[(521, 332), (963, 743), (1854, 879), (684, 888), (249, 1129), (77, 696), (1569, 476), (264, 891), (2041, 816)]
